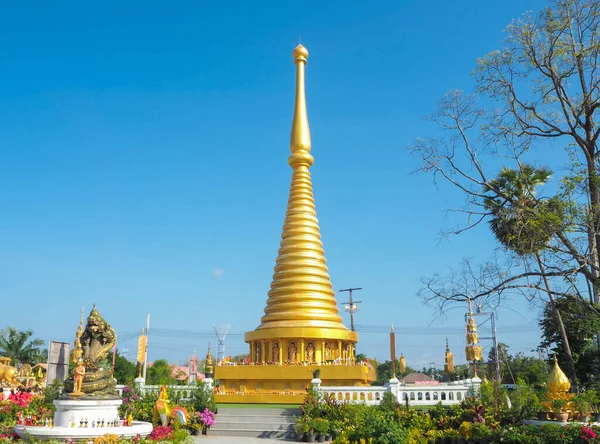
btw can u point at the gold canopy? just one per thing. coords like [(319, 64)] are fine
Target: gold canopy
[(301, 302)]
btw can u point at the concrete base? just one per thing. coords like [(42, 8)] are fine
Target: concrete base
[(76, 433)]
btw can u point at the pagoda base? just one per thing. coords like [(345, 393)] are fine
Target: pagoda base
[(283, 384)]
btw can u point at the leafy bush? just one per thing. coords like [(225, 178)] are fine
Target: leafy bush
[(202, 398)]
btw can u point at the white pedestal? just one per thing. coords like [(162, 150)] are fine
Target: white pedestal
[(69, 411), (208, 382)]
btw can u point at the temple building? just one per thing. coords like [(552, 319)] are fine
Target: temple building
[(301, 330)]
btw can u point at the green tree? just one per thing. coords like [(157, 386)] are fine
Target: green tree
[(384, 371), (159, 373), (581, 330), (525, 224), (20, 348), (543, 86), (125, 370)]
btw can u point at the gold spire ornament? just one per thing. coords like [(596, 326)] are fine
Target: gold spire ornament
[(402, 364), (473, 349), (301, 302), (141, 351), (208, 364), (449, 359)]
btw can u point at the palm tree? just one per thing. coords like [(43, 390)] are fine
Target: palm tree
[(525, 224), (17, 346)]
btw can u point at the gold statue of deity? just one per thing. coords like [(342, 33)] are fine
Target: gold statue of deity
[(96, 340)]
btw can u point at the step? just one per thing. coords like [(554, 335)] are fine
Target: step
[(256, 418), (252, 426), (255, 423), (225, 411), (272, 434)]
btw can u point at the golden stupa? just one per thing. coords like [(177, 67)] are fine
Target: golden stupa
[(558, 384), (448, 359), (301, 330), (473, 349)]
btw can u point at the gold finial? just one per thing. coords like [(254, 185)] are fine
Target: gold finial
[(300, 137)]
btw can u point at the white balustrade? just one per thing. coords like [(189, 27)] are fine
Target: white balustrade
[(447, 393)]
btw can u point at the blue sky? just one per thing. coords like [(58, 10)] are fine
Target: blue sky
[(143, 162)]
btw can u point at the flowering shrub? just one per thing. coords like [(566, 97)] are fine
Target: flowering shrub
[(162, 433), (206, 417)]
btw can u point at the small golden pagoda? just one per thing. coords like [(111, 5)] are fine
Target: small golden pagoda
[(558, 384), (448, 359), (301, 330), (402, 364), (473, 349)]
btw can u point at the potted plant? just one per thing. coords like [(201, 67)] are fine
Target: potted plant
[(582, 406), (321, 427), (311, 429), (558, 407), (301, 428), (591, 396)]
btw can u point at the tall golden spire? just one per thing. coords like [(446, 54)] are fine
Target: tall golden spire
[(301, 301)]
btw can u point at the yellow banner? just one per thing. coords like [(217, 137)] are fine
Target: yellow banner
[(141, 352)]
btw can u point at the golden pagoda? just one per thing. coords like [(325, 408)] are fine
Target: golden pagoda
[(558, 384), (473, 349), (301, 331), (402, 364), (448, 359)]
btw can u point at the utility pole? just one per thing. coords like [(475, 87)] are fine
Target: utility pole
[(351, 306)]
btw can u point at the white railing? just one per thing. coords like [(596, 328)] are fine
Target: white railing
[(180, 392), (447, 393), (417, 394)]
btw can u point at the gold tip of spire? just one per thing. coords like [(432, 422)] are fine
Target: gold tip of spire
[(300, 137), (300, 53)]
